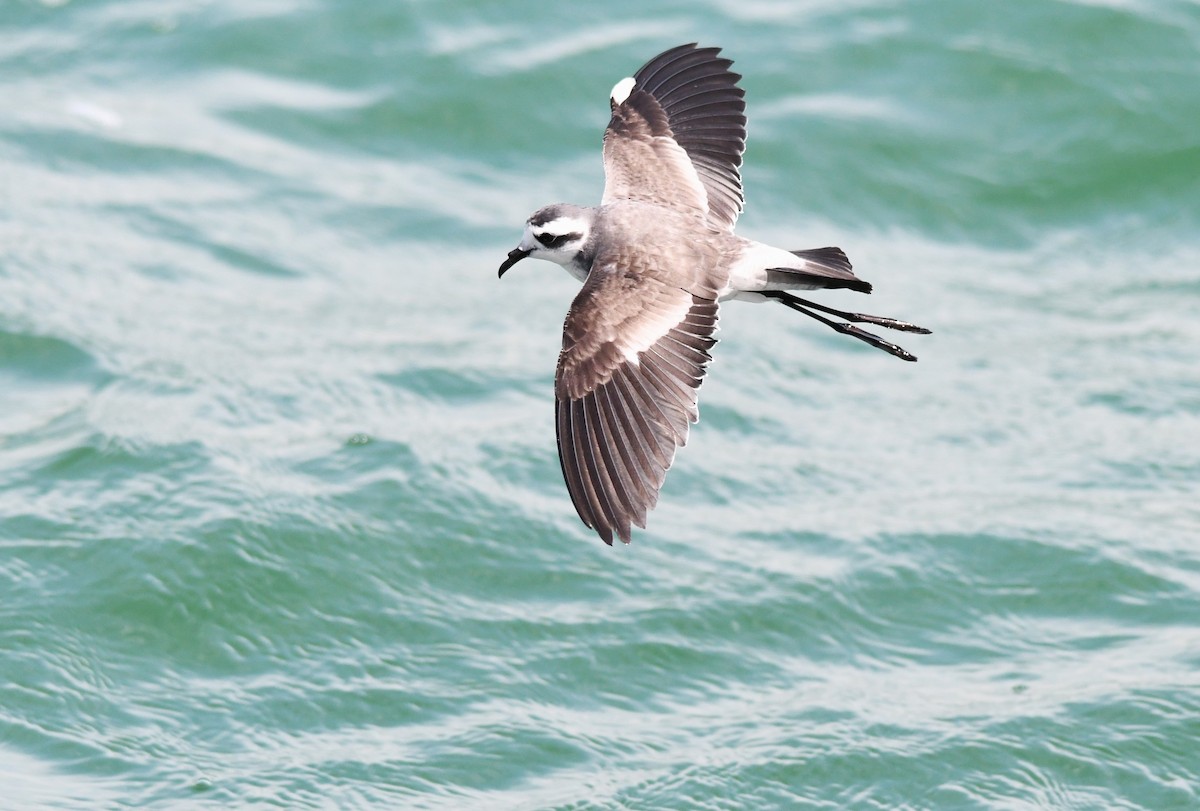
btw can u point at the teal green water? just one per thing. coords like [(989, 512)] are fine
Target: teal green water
[(281, 519)]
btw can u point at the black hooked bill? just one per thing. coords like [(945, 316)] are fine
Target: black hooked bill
[(514, 256)]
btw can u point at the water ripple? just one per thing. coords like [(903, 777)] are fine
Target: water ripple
[(281, 520)]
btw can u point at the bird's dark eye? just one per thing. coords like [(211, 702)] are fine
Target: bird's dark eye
[(555, 240)]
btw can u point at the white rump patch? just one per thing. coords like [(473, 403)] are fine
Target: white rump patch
[(622, 89), (748, 273)]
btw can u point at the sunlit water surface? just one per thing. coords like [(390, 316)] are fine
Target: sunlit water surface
[(281, 520)]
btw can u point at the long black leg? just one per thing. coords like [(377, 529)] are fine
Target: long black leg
[(802, 306), (857, 318)]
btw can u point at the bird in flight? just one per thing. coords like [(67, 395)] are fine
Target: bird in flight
[(656, 257)]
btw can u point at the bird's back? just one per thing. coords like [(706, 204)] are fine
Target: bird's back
[(664, 244)]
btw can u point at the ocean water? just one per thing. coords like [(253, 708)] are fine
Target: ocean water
[(281, 519)]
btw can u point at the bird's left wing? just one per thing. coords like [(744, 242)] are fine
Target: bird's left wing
[(635, 350), (677, 134)]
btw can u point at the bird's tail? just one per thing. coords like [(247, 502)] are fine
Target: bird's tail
[(819, 269)]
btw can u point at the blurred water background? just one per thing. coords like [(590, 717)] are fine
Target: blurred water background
[(281, 519)]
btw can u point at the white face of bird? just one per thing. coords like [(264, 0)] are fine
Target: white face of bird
[(555, 233), (557, 240)]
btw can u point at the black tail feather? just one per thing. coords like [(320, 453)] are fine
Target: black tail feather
[(830, 269), (815, 281), (830, 257)]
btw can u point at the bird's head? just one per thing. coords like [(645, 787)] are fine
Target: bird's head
[(557, 233)]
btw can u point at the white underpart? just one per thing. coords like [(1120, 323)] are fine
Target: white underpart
[(622, 89), (748, 273)]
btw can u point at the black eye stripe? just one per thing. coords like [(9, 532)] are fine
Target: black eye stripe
[(555, 241)]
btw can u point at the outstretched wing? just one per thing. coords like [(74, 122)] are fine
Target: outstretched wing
[(635, 350), (677, 134)]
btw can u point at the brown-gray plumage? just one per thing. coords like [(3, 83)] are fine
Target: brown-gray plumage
[(635, 348), (677, 138), (655, 259)]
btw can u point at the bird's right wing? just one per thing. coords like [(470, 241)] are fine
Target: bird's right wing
[(635, 350)]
